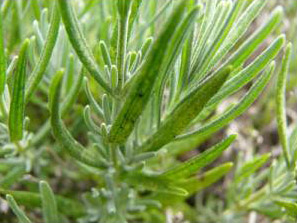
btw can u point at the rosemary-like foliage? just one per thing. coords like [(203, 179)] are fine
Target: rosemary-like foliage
[(102, 98)]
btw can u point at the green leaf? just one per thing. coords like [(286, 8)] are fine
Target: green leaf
[(66, 106), (12, 176), (123, 25), (106, 109), (36, 9), (290, 207), (141, 89), (95, 106), (89, 122), (281, 104), (146, 46), (136, 4), (2, 59), (33, 200), (62, 135), (251, 44), (79, 43), (195, 184), (49, 205), (206, 27), (191, 166), (17, 105), (218, 40), (105, 53), (293, 144), (177, 43), (247, 74), (192, 185), (165, 8), (5, 6), (17, 210), (189, 140), (221, 47), (4, 152), (46, 53), (251, 167), (154, 183), (185, 111)]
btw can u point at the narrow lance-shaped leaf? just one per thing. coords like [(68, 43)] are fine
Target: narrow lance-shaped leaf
[(17, 105), (186, 111), (136, 4), (195, 184), (2, 59), (234, 35), (62, 135), (66, 105), (79, 43), (146, 46), (140, 90), (123, 23), (178, 40), (105, 53), (219, 38), (293, 144), (281, 103), (66, 206), (95, 106), (222, 15), (187, 141), (70, 70), (248, 73), (165, 7), (49, 205), (89, 122), (36, 9), (251, 167), (209, 18), (256, 39), (289, 206), (17, 210), (186, 57), (191, 166), (46, 53), (154, 183), (12, 176)]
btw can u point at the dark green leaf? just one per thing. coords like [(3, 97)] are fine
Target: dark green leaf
[(17, 105)]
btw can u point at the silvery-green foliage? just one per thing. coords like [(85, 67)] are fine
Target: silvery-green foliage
[(145, 80)]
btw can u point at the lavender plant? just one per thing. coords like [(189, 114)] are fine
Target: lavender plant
[(126, 87)]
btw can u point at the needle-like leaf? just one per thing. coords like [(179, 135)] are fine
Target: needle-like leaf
[(189, 140), (256, 39), (66, 206), (2, 58), (281, 104), (49, 205), (191, 166), (17, 105), (195, 184), (141, 89), (186, 110), (17, 210), (79, 43), (40, 68), (60, 132), (251, 167), (247, 74)]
